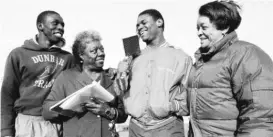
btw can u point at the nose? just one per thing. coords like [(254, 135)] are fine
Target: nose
[(60, 27), (139, 27), (199, 32), (101, 52)]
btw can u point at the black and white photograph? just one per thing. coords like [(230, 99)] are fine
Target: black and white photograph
[(136, 68)]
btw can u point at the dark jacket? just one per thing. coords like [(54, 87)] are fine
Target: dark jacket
[(84, 124), (231, 90), (30, 72)]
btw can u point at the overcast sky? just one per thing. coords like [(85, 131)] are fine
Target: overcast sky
[(116, 19)]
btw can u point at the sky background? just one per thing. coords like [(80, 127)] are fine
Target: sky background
[(116, 19)]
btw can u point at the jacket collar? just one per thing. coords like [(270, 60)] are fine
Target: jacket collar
[(165, 44), (106, 81), (218, 46)]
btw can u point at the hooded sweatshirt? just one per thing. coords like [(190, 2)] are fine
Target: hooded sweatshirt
[(30, 72)]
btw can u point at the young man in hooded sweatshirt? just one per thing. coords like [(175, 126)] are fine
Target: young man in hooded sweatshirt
[(30, 72)]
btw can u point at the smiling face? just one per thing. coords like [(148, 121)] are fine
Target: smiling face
[(147, 28), (93, 55), (52, 27), (207, 32)]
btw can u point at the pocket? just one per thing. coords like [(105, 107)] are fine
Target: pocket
[(50, 129), (159, 104), (23, 126), (161, 79)]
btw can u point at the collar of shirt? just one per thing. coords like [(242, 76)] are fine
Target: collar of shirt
[(165, 44)]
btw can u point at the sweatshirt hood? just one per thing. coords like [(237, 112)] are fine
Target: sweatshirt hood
[(32, 44)]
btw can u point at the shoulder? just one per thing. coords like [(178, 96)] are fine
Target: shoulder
[(66, 56), (179, 52), (16, 53), (244, 50), (65, 52), (70, 73), (243, 47), (16, 50)]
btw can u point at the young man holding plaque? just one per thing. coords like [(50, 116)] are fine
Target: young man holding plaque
[(155, 95)]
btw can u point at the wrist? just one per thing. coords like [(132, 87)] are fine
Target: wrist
[(110, 113)]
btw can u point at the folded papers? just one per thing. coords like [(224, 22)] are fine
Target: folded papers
[(73, 102)]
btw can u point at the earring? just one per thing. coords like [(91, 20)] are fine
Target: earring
[(81, 61)]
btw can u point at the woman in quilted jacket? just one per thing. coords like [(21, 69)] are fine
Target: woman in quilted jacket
[(231, 82)]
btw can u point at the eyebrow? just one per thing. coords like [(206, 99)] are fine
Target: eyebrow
[(200, 23), (142, 21), (58, 21)]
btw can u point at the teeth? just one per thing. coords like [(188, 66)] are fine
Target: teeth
[(58, 35)]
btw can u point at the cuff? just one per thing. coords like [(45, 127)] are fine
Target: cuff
[(116, 114), (174, 106)]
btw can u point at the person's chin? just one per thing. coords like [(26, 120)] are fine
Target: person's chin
[(144, 38), (100, 64), (204, 44), (56, 39)]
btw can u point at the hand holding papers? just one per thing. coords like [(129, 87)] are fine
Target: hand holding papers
[(74, 101)]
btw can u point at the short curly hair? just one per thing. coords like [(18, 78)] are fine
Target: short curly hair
[(223, 14), (41, 17), (155, 15), (79, 44)]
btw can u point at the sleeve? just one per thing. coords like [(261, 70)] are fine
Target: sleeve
[(123, 76), (179, 103), (70, 62), (56, 94), (9, 94), (252, 85), (121, 83), (121, 116)]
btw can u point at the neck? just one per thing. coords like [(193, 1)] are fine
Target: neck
[(43, 41), (93, 70), (94, 74), (156, 42)]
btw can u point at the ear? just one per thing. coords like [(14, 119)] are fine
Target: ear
[(159, 23), (40, 26), (81, 56)]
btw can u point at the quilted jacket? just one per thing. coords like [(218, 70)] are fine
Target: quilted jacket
[(231, 91)]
